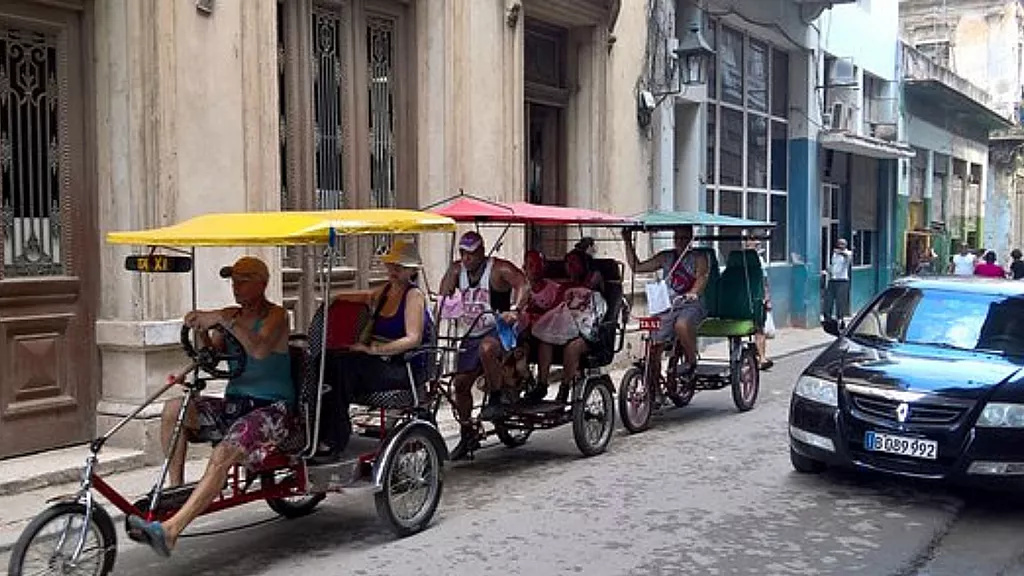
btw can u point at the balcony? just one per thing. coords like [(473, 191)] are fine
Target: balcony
[(862, 114), (937, 95)]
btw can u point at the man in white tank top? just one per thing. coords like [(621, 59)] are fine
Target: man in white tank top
[(482, 284)]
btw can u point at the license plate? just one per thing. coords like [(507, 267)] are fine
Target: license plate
[(901, 445)]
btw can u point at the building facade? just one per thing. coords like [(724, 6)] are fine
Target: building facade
[(862, 142), (981, 41), (946, 186), (126, 115), (747, 143)]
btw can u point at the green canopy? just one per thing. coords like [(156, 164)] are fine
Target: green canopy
[(655, 219)]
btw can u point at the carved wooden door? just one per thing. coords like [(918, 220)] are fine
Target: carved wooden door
[(47, 293)]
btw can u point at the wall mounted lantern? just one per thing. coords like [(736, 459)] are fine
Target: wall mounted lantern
[(690, 64), (694, 57)]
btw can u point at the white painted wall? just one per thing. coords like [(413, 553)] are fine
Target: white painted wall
[(867, 32), (986, 53), (931, 137)]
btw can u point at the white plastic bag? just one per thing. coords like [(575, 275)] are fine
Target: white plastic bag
[(557, 326), (658, 299), (769, 325), (578, 315)]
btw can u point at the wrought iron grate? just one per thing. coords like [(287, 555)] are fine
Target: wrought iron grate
[(32, 154)]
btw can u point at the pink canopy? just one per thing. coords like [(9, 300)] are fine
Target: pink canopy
[(470, 209)]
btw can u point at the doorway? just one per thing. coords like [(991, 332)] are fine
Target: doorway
[(543, 171), (48, 276), (831, 209)]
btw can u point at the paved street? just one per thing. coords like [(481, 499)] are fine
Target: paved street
[(706, 491)]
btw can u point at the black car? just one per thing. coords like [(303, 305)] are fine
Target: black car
[(927, 381)]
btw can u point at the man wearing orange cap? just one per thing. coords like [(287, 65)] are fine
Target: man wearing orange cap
[(255, 413)]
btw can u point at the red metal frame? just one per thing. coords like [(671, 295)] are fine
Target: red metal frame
[(294, 486), (238, 493)]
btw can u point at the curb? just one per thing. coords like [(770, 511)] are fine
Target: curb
[(71, 473)]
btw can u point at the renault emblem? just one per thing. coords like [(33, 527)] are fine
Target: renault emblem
[(902, 411)]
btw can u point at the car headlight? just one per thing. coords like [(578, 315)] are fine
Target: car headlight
[(1001, 415), (817, 390)]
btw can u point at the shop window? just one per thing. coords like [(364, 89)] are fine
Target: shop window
[(731, 147), (757, 151), (757, 76), (748, 134), (863, 247), (731, 65)]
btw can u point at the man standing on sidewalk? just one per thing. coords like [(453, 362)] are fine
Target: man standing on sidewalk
[(837, 292), (963, 263)]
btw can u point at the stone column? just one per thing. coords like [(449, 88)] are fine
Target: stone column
[(1004, 158), (187, 124), (804, 192), (929, 185)]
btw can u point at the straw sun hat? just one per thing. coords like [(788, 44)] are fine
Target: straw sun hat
[(403, 253)]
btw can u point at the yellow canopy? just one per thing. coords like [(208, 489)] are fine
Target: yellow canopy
[(284, 228)]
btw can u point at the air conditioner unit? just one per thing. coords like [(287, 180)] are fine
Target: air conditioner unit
[(826, 121), (842, 72)]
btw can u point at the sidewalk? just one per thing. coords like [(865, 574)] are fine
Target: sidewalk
[(27, 482)]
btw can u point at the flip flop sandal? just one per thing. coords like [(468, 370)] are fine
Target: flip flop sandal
[(152, 533)]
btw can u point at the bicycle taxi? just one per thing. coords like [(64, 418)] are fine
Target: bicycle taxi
[(589, 405), (733, 297), (76, 534)]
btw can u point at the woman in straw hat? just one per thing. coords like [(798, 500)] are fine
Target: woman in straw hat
[(399, 323)]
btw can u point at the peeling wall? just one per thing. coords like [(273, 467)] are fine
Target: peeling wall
[(998, 228), (985, 42)]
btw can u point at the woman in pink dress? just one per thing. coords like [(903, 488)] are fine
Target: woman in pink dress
[(989, 267)]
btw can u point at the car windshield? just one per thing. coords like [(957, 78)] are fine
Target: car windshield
[(945, 319)]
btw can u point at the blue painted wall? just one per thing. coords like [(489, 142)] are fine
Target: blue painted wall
[(804, 302), (887, 245), (863, 288), (780, 279)]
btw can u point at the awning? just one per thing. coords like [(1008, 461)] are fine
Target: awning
[(655, 219), (284, 228), (947, 105), (843, 141), (465, 208), (471, 209), (538, 214)]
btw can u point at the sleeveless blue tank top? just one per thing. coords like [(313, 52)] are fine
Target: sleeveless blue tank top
[(268, 378)]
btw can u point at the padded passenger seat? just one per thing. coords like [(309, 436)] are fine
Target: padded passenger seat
[(739, 295)]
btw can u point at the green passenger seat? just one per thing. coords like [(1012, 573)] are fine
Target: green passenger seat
[(740, 291)]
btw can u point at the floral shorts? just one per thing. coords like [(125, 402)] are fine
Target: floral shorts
[(253, 426)]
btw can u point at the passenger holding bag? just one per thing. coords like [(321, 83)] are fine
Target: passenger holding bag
[(572, 323), (685, 276)]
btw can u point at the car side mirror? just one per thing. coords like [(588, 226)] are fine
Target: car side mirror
[(831, 326)]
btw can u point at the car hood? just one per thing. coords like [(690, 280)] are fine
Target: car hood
[(947, 372)]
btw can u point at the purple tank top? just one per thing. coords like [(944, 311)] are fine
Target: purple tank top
[(391, 327)]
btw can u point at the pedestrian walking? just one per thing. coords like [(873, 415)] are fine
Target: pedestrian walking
[(766, 328), (1017, 266), (989, 268), (926, 257), (837, 292), (962, 264)]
